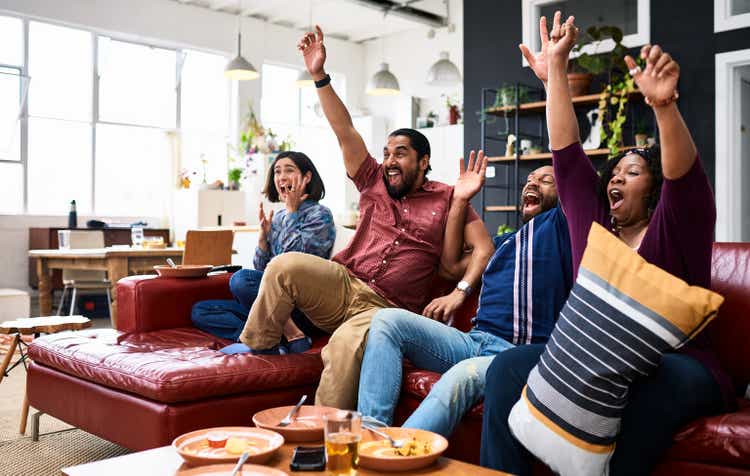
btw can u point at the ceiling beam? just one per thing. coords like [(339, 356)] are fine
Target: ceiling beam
[(220, 5), (404, 10)]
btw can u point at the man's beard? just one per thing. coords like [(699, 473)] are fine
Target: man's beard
[(407, 182)]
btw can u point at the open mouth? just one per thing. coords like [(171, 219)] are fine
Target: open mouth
[(393, 175), (615, 198), (531, 199)]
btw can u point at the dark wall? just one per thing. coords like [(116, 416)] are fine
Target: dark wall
[(492, 31)]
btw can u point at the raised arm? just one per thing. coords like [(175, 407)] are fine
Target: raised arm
[(658, 83), (458, 235), (561, 117), (351, 143)]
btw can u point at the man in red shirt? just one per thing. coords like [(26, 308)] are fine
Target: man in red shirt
[(392, 258)]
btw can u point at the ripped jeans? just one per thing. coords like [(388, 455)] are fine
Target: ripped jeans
[(462, 358)]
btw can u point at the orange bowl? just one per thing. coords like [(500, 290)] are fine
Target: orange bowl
[(183, 270), (306, 426), (193, 447), (376, 453), (226, 470)]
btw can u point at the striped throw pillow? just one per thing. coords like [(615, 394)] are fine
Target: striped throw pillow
[(621, 316)]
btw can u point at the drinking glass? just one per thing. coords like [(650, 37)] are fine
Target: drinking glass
[(136, 236), (342, 435)]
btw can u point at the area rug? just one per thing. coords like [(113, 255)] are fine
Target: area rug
[(54, 451)]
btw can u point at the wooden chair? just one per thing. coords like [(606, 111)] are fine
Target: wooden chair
[(212, 247), (75, 279)]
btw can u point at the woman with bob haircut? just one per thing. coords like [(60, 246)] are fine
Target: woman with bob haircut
[(303, 225)]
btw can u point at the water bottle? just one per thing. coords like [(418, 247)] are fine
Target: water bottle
[(73, 215)]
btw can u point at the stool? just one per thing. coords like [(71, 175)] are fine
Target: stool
[(34, 326), (14, 303)]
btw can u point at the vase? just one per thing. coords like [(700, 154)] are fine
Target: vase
[(579, 83)]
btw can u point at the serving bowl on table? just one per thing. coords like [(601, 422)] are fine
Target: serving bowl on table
[(226, 470), (226, 444), (376, 453), (307, 425), (183, 270)]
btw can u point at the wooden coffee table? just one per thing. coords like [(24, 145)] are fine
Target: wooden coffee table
[(165, 460)]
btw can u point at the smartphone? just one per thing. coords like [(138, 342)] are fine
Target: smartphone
[(308, 458)]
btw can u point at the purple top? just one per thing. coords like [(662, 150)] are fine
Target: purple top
[(678, 240)]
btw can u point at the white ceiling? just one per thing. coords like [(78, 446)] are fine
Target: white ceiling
[(344, 19)]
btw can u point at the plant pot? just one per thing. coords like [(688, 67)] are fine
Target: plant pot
[(640, 140), (579, 83), (453, 115)]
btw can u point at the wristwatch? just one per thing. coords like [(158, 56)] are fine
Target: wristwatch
[(464, 287)]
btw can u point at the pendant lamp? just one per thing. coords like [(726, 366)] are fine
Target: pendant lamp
[(240, 68), (443, 72), (383, 83), (304, 80)]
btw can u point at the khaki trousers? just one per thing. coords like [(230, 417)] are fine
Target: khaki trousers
[(334, 301)]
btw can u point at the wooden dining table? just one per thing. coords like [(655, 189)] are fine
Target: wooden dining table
[(118, 262)]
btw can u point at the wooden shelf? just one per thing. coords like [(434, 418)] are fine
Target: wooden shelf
[(548, 155), (501, 208), (540, 105)]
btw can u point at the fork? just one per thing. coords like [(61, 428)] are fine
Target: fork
[(288, 418), (394, 443)]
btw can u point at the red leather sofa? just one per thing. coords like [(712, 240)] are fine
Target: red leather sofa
[(157, 377)]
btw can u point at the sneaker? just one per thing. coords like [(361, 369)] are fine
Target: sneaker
[(297, 346), (240, 348)]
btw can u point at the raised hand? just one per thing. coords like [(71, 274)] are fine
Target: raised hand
[(295, 195), (562, 38), (314, 52), (538, 62), (658, 80), (470, 179), (265, 228)]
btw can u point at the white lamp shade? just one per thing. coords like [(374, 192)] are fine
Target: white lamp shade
[(304, 80), (443, 72), (383, 83), (240, 68)]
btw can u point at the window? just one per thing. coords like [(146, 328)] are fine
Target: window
[(103, 128), (137, 84), (731, 14), (205, 120), (59, 150), (295, 112), (13, 89), (631, 16)]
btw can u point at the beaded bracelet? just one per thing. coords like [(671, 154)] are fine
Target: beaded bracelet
[(662, 102)]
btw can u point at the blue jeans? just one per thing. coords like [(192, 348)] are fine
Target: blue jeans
[(226, 318), (681, 390), (461, 357)]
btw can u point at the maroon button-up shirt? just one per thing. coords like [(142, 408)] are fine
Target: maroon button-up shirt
[(397, 246)]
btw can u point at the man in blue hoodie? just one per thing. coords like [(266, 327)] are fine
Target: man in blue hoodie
[(524, 287)]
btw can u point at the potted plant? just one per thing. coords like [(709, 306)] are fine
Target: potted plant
[(640, 132), (589, 62), (233, 178)]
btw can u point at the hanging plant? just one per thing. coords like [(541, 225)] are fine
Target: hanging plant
[(615, 97)]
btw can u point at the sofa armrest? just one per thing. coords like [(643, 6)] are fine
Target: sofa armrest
[(148, 303)]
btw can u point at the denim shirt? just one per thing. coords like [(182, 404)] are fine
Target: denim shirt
[(308, 230)]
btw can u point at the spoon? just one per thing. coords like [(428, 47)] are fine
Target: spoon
[(171, 263), (240, 462), (394, 443)]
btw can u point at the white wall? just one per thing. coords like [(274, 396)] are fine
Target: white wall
[(168, 24), (409, 56)]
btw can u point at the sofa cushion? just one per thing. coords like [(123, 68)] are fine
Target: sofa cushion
[(173, 365), (721, 440)]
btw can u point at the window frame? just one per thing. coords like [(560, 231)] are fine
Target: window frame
[(179, 51), (530, 18), (725, 21)]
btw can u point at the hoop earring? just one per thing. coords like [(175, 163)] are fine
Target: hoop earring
[(613, 223)]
